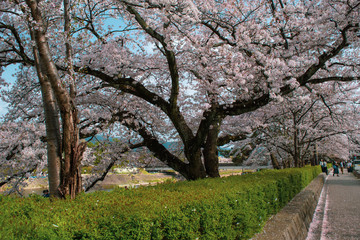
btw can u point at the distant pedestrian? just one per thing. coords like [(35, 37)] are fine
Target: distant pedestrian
[(342, 167), (46, 193), (349, 167), (336, 169), (323, 165)]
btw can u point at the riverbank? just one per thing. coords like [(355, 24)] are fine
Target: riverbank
[(113, 180)]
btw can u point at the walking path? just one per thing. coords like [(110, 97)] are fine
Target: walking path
[(337, 215)]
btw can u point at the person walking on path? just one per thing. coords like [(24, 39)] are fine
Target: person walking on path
[(336, 169), (349, 167), (337, 215), (323, 165), (342, 167)]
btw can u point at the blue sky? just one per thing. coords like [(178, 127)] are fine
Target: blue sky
[(7, 76), (10, 70)]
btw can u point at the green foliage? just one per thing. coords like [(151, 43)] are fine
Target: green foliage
[(235, 207), (100, 148), (227, 153), (86, 169)]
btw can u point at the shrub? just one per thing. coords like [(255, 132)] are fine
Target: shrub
[(235, 207)]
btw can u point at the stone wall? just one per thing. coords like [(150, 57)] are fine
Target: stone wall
[(293, 221)]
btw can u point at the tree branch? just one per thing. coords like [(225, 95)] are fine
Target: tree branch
[(111, 164), (8, 179), (170, 55)]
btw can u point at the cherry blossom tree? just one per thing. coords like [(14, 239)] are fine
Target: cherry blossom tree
[(181, 70), (64, 151), (236, 57), (290, 130), (22, 153)]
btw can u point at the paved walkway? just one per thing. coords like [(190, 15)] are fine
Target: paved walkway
[(337, 215)]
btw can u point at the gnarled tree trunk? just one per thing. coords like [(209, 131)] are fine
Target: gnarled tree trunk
[(274, 161), (210, 152), (72, 150), (196, 169)]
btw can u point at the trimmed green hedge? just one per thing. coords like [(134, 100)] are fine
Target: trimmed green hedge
[(235, 207)]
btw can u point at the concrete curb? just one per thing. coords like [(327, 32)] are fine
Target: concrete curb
[(293, 221)]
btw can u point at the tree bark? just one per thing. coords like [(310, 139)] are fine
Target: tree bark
[(196, 168), (53, 136), (274, 161), (315, 161), (72, 150), (296, 143), (210, 152), (71, 178)]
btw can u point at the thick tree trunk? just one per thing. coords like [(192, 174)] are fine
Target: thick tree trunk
[(314, 159), (274, 161), (210, 152), (53, 136), (71, 173), (287, 163), (196, 168), (72, 150)]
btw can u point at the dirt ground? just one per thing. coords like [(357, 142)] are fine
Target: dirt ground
[(37, 185), (122, 180), (111, 180)]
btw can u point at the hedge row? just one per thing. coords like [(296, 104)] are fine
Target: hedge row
[(235, 207)]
